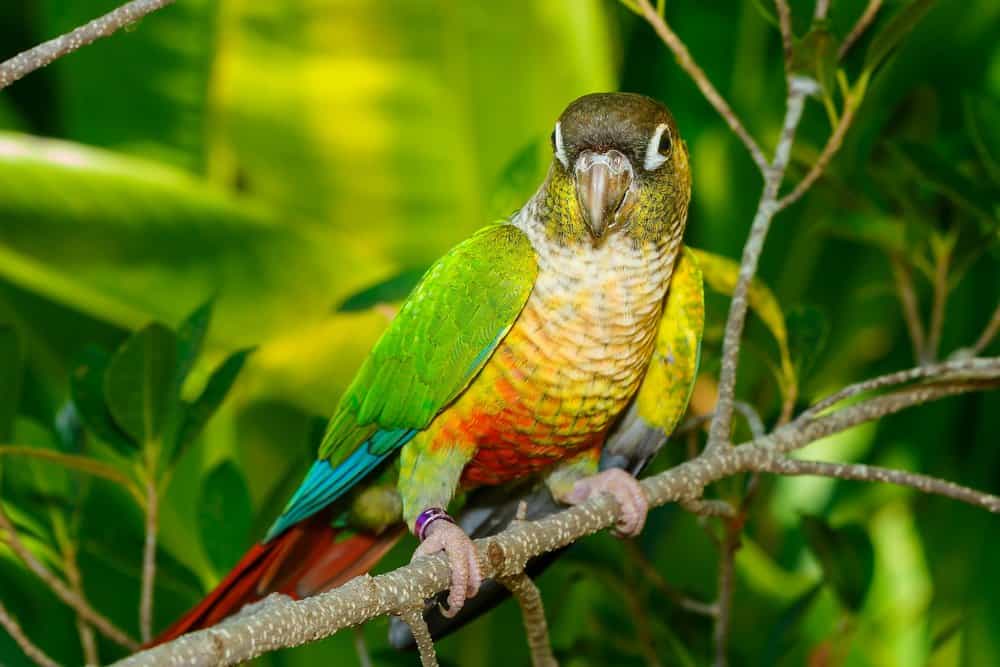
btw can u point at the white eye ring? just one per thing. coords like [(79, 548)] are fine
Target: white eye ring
[(560, 149), (655, 159)]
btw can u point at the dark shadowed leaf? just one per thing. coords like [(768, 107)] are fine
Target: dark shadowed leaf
[(982, 124), (890, 36), (816, 54), (225, 515), (197, 414), (519, 178), (807, 331), (87, 390), (139, 380), (883, 232), (847, 557), (10, 379), (786, 631), (392, 289)]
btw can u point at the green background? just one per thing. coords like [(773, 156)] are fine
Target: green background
[(287, 158)]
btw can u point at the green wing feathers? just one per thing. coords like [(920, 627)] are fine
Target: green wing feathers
[(666, 388), (439, 340)]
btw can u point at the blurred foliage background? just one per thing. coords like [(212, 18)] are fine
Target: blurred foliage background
[(298, 163)]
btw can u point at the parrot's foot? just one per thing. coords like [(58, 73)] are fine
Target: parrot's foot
[(466, 576), (625, 489)]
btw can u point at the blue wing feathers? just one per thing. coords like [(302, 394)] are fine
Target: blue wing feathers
[(324, 484)]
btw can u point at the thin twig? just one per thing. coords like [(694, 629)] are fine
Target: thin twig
[(533, 614), (720, 431), (86, 632), (13, 628), (77, 463), (149, 560), (361, 648), (822, 7), (989, 333), (77, 602), (833, 144), (941, 268), (785, 25), (676, 596), (862, 25), (711, 507), (414, 618), (688, 64), (911, 310), (35, 58), (867, 473), (966, 368), (724, 603)]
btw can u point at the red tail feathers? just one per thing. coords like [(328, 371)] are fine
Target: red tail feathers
[(305, 560)]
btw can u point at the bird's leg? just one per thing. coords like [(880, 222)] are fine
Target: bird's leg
[(438, 532), (428, 477), (577, 479)]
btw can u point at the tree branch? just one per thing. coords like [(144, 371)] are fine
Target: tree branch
[(13, 628), (45, 53), (989, 333), (414, 617), (77, 602), (911, 310), (533, 614), (719, 433), (867, 473), (286, 623), (688, 64)]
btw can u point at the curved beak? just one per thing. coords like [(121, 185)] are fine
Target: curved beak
[(602, 181)]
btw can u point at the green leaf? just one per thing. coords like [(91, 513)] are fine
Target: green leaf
[(816, 54), (519, 178), (87, 391), (847, 557), (391, 290), (884, 232), (190, 338), (889, 37), (197, 414), (139, 381), (225, 516), (10, 379), (808, 328)]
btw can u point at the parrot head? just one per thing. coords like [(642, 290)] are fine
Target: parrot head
[(619, 167)]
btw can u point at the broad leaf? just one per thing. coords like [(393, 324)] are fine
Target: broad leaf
[(86, 385), (847, 557), (139, 381), (889, 37), (226, 515), (197, 414), (190, 338)]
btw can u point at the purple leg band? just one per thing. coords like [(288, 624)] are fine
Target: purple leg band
[(426, 518)]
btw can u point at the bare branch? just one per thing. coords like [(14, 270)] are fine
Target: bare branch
[(287, 623), (13, 628), (45, 53), (414, 617), (965, 368), (676, 596), (724, 604), (86, 632), (941, 268), (719, 434), (77, 602), (533, 615), (687, 63), (866, 473), (717, 508), (862, 25), (822, 8), (149, 560)]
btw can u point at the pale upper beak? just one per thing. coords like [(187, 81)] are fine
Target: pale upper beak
[(602, 181)]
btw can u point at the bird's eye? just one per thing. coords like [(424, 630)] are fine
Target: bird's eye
[(666, 143), (659, 148)]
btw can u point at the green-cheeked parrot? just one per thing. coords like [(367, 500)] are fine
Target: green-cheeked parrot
[(512, 359)]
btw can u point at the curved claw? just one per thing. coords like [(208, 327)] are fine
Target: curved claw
[(466, 575), (625, 489)]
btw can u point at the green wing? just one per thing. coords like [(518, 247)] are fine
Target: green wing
[(443, 334)]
